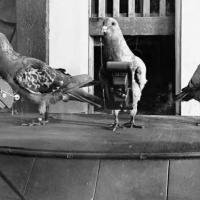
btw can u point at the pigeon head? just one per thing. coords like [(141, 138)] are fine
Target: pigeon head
[(5, 45), (110, 28)]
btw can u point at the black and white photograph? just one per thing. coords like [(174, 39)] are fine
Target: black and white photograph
[(99, 100)]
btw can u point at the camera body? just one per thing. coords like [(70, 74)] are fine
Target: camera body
[(118, 90)]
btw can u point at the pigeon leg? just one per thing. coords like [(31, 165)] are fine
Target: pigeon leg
[(40, 121), (44, 110), (44, 119), (46, 114), (116, 125), (131, 123)]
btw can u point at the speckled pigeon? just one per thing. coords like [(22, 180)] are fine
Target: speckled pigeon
[(38, 82)]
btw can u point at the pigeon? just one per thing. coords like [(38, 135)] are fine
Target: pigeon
[(116, 49), (37, 82), (192, 90)]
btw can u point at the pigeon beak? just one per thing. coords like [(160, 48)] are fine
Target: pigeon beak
[(104, 29)]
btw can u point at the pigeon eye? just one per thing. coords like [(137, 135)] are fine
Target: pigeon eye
[(113, 23)]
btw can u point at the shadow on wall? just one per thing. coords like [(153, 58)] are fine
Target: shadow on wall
[(8, 19)]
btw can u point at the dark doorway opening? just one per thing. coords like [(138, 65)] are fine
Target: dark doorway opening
[(158, 53)]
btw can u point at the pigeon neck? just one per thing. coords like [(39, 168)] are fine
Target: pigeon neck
[(6, 50), (7, 57), (116, 47), (5, 47)]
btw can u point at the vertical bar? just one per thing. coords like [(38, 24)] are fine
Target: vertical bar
[(102, 8), (178, 23), (141, 6), (47, 31), (93, 8), (115, 8), (91, 69), (131, 8), (90, 8), (146, 8), (162, 8)]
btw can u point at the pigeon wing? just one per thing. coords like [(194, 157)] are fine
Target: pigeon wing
[(195, 80), (38, 78)]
